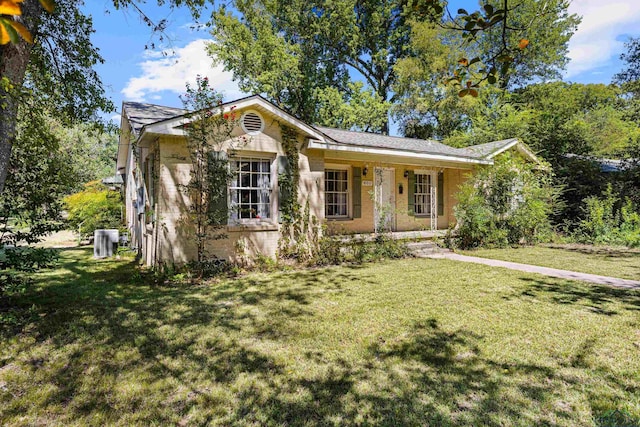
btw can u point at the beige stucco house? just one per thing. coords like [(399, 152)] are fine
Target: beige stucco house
[(354, 182)]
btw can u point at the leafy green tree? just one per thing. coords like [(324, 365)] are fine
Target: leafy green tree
[(91, 148), (40, 174), (293, 50), (95, 207), (57, 69), (574, 118), (629, 78), (427, 107), (492, 118), (362, 109), (540, 30)]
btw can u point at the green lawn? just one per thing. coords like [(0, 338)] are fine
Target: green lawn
[(614, 262), (409, 342)]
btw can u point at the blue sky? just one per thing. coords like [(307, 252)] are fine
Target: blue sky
[(131, 72)]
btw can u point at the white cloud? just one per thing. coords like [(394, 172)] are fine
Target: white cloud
[(597, 42), (172, 69)]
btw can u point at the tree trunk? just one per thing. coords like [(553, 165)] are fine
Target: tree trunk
[(14, 59)]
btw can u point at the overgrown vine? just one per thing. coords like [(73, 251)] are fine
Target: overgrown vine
[(294, 238)]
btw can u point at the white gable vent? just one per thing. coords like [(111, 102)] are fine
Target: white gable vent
[(252, 122)]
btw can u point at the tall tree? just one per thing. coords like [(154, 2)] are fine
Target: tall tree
[(529, 43), (57, 68), (544, 28), (292, 50), (58, 65), (629, 78)]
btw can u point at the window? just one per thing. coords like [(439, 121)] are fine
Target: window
[(251, 188), (423, 194), (336, 190)]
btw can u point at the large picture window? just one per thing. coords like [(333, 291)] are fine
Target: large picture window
[(251, 188), (423, 194), (336, 193)]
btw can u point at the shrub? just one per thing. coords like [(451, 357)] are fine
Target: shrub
[(508, 203), (335, 251), (95, 207), (605, 223)]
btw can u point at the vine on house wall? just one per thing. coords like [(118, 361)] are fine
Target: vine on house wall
[(296, 237)]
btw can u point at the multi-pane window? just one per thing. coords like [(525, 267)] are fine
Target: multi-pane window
[(250, 188), (336, 193), (422, 194)]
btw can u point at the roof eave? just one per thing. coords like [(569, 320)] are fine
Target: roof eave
[(173, 125), (323, 145), (522, 149)]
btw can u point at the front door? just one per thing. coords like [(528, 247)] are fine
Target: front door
[(384, 200)]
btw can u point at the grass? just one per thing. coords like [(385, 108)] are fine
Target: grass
[(614, 262), (408, 342)]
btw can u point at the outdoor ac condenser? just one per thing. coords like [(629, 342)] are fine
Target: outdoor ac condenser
[(105, 243)]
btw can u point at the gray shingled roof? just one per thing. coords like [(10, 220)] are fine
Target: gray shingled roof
[(141, 114), (367, 139), (484, 150)]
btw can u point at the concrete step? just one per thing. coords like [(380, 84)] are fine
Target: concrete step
[(423, 249)]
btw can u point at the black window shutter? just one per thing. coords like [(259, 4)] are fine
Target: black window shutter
[(440, 193), (411, 190), (356, 193), (218, 203), (284, 193)]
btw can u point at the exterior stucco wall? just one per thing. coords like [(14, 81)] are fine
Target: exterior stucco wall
[(176, 238), (166, 233), (452, 179)]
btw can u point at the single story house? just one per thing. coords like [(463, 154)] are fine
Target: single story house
[(353, 182)]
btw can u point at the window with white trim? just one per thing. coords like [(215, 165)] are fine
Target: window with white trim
[(422, 194), (336, 193), (250, 188)]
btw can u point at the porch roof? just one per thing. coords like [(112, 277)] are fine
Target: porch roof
[(367, 139)]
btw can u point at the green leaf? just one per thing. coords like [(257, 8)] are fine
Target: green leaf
[(9, 32), (491, 79), (462, 12), (489, 9)]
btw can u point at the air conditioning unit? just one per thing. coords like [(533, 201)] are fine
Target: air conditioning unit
[(105, 243)]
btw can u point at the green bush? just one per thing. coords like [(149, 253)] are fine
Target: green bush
[(96, 207), (508, 203), (335, 251), (606, 224)]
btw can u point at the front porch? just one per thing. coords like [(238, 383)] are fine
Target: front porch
[(395, 235)]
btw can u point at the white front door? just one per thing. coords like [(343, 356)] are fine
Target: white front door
[(385, 201)]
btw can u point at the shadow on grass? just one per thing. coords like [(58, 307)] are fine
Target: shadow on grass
[(599, 299), (605, 251), (108, 348), (427, 377)]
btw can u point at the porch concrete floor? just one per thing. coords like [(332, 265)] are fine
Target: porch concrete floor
[(396, 235)]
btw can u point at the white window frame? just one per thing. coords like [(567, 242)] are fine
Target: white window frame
[(347, 169), (433, 202), (234, 213)]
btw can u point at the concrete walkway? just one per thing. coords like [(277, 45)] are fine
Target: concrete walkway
[(553, 272)]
